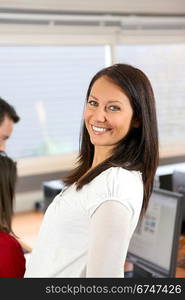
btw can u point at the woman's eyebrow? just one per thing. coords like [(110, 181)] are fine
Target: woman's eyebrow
[(93, 97), (110, 101)]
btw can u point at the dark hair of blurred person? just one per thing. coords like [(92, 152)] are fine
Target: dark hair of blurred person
[(8, 117), (12, 260)]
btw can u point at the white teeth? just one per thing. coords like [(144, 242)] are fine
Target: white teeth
[(99, 129)]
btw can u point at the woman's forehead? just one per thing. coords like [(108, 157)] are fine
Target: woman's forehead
[(105, 89)]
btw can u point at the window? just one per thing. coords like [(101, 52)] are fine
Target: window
[(47, 86), (164, 65)]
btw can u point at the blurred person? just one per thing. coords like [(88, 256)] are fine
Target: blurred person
[(12, 260), (8, 117), (87, 228)]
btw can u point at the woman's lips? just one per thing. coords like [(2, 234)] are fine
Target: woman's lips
[(99, 130)]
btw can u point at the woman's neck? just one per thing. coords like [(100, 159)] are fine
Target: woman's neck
[(100, 155)]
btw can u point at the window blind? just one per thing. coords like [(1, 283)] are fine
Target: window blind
[(47, 86), (165, 67)]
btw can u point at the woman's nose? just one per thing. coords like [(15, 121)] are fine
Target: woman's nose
[(99, 115)]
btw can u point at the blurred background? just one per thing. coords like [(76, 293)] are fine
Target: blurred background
[(50, 49)]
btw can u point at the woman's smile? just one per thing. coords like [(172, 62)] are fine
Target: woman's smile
[(98, 130)]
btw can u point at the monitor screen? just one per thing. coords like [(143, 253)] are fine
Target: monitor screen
[(154, 244)]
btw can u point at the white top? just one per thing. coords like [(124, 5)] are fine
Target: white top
[(86, 233)]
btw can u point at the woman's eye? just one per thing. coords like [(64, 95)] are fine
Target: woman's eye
[(114, 108), (92, 103)]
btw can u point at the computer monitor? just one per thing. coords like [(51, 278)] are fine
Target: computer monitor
[(178, 185), (50, 190), (165, 174), (178, 182), (154, 245)]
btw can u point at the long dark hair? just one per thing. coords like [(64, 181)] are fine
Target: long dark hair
[(139, 149), (8, 176)]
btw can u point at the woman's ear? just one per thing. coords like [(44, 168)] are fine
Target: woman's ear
[(136, 123)]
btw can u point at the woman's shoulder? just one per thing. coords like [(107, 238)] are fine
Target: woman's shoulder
[(118, 175), (9, 241), (118, 184)]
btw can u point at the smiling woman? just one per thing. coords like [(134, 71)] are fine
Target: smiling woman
[(108, 117), (87, 228)]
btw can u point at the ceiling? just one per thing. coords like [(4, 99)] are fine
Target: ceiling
[(123, 7)]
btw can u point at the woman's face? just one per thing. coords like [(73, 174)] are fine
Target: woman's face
[(108, 113)]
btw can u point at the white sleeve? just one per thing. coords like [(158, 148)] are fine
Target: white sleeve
[(115, 184), (109, 240)]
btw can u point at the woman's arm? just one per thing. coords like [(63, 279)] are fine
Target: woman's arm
[(109, 240)]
